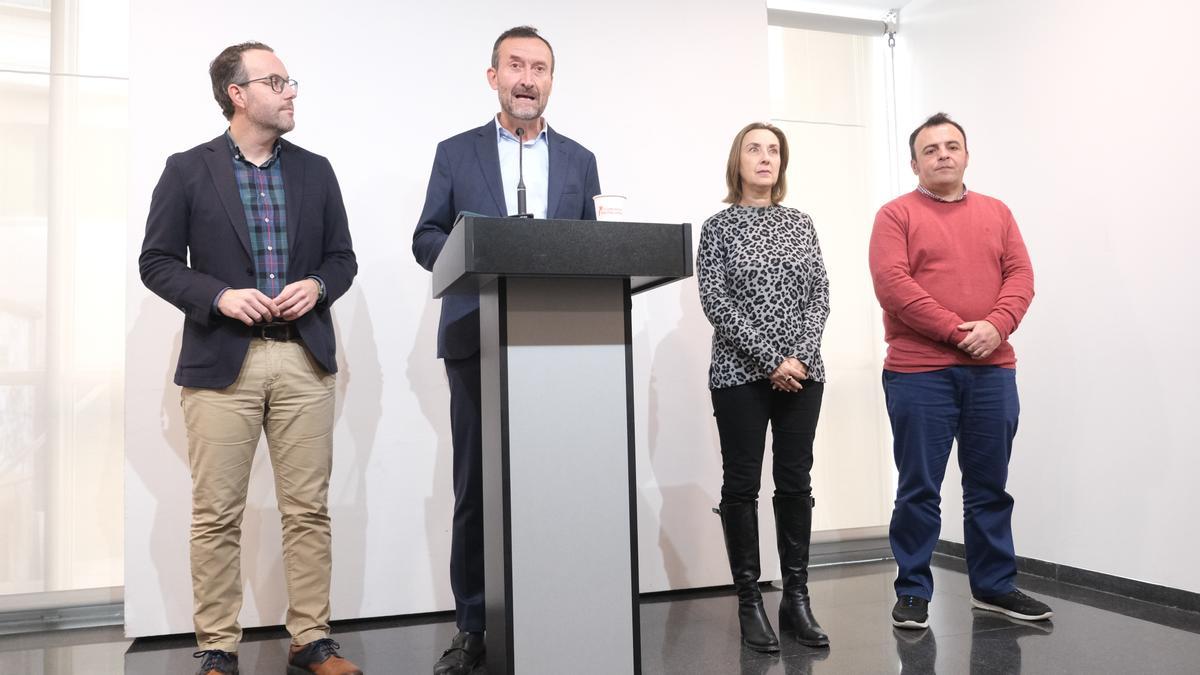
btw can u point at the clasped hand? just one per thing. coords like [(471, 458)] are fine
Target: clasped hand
[(251, 306), (981, 340), (789, 375)]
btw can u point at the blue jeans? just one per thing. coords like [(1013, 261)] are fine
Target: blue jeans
[(978, 407)]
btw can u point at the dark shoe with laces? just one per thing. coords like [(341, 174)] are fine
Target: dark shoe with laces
[(320, 657), (1015, 604), (910, 612), (217, 662), (466, 651), (983, 620)]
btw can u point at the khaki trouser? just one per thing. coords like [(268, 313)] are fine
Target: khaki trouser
[(283, 390)]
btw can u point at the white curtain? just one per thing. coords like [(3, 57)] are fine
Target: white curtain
[(63, 139), (828, 97)]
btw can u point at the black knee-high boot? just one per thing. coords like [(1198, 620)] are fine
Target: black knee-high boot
[(793, 529), (740, 522)]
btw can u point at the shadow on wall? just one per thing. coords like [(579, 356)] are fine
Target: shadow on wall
[(265, 570), (688, 532), (261, 561), (359, 410), (427, 381), (165, 533)]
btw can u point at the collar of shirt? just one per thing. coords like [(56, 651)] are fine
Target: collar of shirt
[(927, 193), (537, 170), (237, 152)]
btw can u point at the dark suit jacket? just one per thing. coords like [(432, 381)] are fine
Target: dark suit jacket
[(196, 213), (466, 177)]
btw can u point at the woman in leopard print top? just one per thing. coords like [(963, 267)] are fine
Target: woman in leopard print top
[(764, 289)]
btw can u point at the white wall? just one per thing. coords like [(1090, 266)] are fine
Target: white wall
[(656, 90), (1082, 117)]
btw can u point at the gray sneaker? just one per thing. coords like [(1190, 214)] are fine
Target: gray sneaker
[(910, 612), (1015, 604)]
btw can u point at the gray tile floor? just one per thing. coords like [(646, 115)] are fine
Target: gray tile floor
[(696, 633)]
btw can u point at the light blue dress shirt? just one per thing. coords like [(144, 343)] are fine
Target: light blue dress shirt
[(537, 170)]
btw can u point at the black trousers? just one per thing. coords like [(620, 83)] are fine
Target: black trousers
[(466, 538), (743, 413)]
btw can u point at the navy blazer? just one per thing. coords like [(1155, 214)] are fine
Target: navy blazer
[(196, 214), (466, 177)]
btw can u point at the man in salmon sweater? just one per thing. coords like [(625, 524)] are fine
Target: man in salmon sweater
[(954, 280)]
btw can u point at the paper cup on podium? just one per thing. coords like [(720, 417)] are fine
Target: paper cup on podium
[(610, 207)]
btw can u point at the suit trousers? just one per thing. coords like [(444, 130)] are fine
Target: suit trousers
[(281, 389), (978, 407), (466, 538), (743, 413)]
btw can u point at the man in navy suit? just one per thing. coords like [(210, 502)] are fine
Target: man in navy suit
[(247, 235), (476, 171)]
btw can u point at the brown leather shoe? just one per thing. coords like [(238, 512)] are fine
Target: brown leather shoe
[(320, 657)]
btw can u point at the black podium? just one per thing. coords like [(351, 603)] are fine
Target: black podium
[(560, 530)]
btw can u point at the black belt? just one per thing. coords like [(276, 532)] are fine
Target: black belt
[(282, 332)]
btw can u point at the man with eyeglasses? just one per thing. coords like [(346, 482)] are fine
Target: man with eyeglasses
[(476, 171), (247, 235)]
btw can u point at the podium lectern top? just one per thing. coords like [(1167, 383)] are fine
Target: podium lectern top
[(480, 249)]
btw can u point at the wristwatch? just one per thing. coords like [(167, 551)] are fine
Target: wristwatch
[(320, 287)]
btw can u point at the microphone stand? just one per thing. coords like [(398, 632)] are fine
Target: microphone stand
[(521, 174)]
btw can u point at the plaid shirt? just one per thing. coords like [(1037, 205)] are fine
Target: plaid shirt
[(925, 191), (261, 189)]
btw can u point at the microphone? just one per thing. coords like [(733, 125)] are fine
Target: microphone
[(521, 174)]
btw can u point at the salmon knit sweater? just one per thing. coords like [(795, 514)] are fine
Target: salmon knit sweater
[(937, 264)]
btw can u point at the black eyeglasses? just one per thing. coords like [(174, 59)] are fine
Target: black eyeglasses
[(277, 83)]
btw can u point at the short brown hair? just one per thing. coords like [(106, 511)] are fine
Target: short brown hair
[(520, 32), (733, 174), (936, 120), (228, 69)]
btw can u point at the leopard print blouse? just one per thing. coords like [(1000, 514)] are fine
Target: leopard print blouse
[(764, 289)]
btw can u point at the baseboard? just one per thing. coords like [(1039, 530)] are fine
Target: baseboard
[(832, 547), (836, 551), (849, 550), (1097, 581), (62, 618)]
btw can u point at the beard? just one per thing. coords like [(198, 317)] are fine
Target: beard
[(276, 120), (522, 109)]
